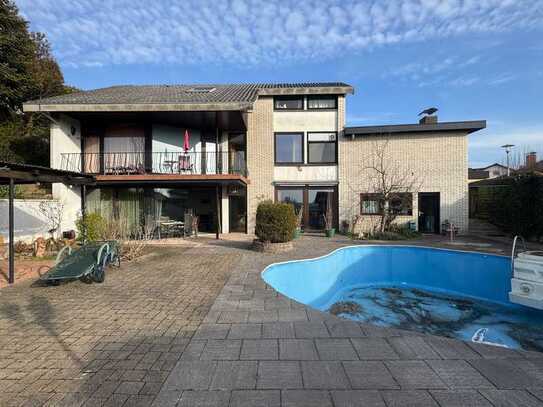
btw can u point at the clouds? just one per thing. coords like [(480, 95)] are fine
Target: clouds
[(252, 32)]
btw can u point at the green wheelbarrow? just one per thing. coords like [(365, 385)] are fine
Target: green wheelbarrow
[(88, 263)]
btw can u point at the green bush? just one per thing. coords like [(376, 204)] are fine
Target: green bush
[(275, 222), (517, 207), (93, 227)]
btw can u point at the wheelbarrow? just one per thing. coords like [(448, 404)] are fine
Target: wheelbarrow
[(88, 263)]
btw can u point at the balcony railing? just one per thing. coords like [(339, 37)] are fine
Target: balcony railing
[(129, 163)]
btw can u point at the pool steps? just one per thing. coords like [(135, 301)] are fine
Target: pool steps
[(527, 281)]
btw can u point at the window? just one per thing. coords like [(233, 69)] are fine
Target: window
[(322, 102), (289, 103), (294, 196), (371, 204), (321, 148), (401, 204), (289, 148)]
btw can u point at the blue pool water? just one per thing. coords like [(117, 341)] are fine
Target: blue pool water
[(445, 292)]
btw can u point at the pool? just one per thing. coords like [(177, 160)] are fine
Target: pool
[(445, 292)]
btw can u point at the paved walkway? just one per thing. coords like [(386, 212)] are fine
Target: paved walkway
[(105, 344), (258, 348), (168, 332)]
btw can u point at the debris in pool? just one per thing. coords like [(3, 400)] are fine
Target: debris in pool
[(479, 337), (345, 307)]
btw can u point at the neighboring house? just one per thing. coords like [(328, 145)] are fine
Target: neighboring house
[(247, 143), (494, 171), (475, 174)]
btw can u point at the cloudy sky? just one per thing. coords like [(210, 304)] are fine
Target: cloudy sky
[(473, 59)]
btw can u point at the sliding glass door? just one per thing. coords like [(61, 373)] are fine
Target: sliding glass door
[(313, 201)]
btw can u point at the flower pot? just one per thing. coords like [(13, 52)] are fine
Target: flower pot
[(330, 232), (297, 233)]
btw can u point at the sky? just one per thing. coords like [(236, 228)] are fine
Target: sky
[(472, 59)]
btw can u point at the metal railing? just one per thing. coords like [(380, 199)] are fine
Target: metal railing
[(514, 250), (162, 162)]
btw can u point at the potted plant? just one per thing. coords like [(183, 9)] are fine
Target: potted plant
[(299, 215), (275, 227), (329, 222)]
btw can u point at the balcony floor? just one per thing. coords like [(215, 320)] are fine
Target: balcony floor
[(171, 178)]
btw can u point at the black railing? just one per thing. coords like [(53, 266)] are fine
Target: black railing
[(127, 163)]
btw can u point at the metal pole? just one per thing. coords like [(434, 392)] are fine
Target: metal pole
[(508, 169), (11, 277), (218, 217)]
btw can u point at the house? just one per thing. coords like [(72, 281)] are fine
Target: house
[(475, 174), (218, 150), (494, 170)]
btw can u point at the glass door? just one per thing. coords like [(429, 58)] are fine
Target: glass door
[(318, 202), (313, 201)]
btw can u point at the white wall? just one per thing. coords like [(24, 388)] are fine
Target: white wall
[(305, 120), (29, 222), (62, 141), (323, 173)]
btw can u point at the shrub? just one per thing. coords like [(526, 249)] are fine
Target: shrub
[(275, 222), (91, 228)]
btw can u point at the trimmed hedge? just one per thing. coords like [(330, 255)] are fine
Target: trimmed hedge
[(275, 222), (517, 208)]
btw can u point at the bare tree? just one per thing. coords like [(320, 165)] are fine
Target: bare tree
[(52, 211), (389, 179)]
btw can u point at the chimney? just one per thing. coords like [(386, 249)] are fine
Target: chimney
[(431, 119), (531, 160)]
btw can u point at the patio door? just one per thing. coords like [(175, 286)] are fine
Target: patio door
[(429, 217), (313, 201)]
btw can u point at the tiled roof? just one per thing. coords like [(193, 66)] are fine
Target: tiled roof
[(189, 94)]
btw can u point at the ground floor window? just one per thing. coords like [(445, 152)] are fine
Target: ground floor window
[(401, 204), (313, 201), (163, 212)]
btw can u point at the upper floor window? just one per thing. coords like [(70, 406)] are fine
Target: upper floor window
[(289, 103), (289, 148), (322, 102), (321, 148)]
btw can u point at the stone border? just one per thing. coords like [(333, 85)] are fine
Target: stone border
[(273, 248)]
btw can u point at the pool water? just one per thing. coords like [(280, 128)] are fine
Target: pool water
[(440, 314), (438, 291)]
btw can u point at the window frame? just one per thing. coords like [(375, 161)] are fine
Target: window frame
[(308, 142), (293, 97), (376, 197), (289, 163), (371, 196), (323, 96)]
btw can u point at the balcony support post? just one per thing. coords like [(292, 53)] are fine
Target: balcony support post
[(148, 159), (218, 211)]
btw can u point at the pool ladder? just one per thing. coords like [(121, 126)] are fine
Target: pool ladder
[(514, 254)]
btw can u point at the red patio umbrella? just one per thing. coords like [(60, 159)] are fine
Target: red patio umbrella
[(186, 142)]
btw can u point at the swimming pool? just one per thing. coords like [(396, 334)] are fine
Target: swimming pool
[(439, 291)]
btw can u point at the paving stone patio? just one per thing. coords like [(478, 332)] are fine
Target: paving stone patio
[(257, 348), (198, 327)]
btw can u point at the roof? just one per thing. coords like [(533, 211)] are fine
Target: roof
[(476, 173), (178, 97), (30, 174), (468, 126), (491, 165)]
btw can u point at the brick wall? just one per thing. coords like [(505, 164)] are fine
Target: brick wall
[(260, 160), (438, 161)]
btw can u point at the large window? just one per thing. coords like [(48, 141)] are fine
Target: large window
[(289, 148), (294, 196), (322, 102), (289, 103), (321, 148), (401, 204)]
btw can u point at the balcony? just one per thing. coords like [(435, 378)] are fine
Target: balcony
[(141, 163)]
